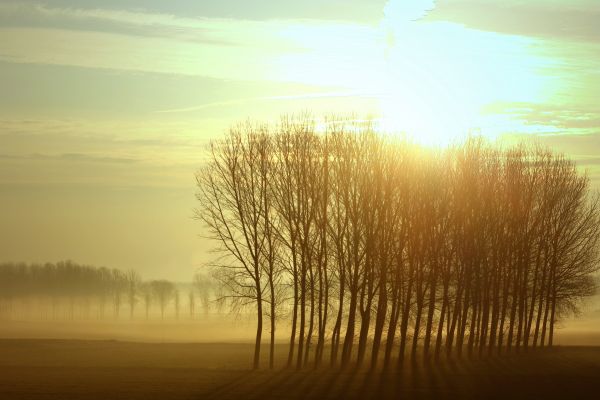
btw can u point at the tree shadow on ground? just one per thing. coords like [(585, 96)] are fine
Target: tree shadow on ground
[(521, 376)]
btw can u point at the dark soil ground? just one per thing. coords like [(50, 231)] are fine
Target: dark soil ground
[(71, 369)]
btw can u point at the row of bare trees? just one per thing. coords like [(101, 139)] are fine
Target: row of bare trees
[(376, 249), (66, 287)]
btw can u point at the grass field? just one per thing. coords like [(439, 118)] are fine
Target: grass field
[(71, 369)]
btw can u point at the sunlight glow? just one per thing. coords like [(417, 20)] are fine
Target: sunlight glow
[(439, 76), (431, 80)]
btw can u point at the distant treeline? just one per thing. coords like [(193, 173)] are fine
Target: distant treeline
[(383, 248), (68, 289)]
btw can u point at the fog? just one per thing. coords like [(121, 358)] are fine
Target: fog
[(66, 300)]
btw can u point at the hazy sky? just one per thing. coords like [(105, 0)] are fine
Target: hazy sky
[(105, 105)]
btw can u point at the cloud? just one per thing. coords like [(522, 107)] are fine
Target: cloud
[(235, 102), (401, 11), (79, 157), (141, 41), (572, 117), (106, 142), (77, 162), (130, 23), (568, 20), (218, 48), (199, 29), (580, 146), (366, 11), (40, 16)]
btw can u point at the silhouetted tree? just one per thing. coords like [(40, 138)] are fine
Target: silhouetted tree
[(232, 190), (133, 287), (472, 248), (163, 291)]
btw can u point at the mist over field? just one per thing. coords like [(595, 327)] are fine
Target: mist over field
[(215, 328)]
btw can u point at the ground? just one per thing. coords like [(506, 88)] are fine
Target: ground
[(74, 369)]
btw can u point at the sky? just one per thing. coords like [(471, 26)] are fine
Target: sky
[(106, 106)]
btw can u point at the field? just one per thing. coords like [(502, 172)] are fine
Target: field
[(81, 369)]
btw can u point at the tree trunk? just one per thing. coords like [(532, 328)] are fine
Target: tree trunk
[(379, 319), (440, 330), (273, 304), (393, 324), (430, 312), (349, 337), (259, 324), (294, 321)]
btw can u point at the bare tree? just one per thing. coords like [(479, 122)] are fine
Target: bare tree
[(202, 284), (192, 303), (163, 291), (232, 191), (133, 287), (472, 248), (176, 300)]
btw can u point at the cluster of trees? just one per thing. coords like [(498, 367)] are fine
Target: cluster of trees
[(81, 290), (377, 249)]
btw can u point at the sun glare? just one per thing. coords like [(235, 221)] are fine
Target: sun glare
[(439, 77), (429, 80)]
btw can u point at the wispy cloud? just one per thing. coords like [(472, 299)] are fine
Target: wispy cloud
[(69, 157), (575, 20), (236, 102), (96, 141), (219, 48), (216, 31), (568, 118)]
